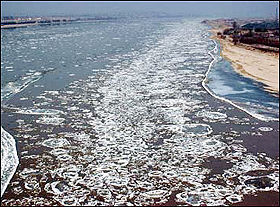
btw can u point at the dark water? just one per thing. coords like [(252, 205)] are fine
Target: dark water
[(114, 113)]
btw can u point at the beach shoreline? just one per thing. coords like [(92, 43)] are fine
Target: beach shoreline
[(244, 59), (250, 62)]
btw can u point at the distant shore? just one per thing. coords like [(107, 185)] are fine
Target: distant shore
[(262, 66), (25, 22), (17, 25)]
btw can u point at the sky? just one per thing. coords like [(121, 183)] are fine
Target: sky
[(239, 9)]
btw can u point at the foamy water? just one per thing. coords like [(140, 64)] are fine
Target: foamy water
[(136, 130)]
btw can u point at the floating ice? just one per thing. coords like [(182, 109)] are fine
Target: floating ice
[(58, 151), (32, 185), (104, 193), (211, 115), (189, 198), (9, 159), (64, 157), (27, 172), (234, 198), (58, 187), (265, 129), (53, 93), (156, 174), (52, 120), (156, 194), (55, 142), (197, 129), (15, 87), (39, 111)]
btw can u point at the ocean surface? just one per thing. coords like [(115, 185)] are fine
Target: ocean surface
[(128, 112)]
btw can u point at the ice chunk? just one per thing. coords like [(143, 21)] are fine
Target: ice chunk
[(9, 159)]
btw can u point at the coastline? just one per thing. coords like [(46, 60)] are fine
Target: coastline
[(250, 62), (224, 99), (242, 58)]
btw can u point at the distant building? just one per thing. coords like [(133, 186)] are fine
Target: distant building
[(264, 33)]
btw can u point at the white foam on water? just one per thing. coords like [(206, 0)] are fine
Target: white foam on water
[(9, 159)]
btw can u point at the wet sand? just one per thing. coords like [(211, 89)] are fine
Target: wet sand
[(250, 62)]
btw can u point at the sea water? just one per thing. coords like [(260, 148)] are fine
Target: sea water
[(115, 113), (243, 92)]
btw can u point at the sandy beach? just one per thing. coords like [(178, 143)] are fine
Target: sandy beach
[(250, 62)]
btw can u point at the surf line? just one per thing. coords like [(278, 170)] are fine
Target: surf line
[(224, 99)]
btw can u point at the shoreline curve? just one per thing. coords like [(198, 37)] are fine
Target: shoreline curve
[(224, 99)]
